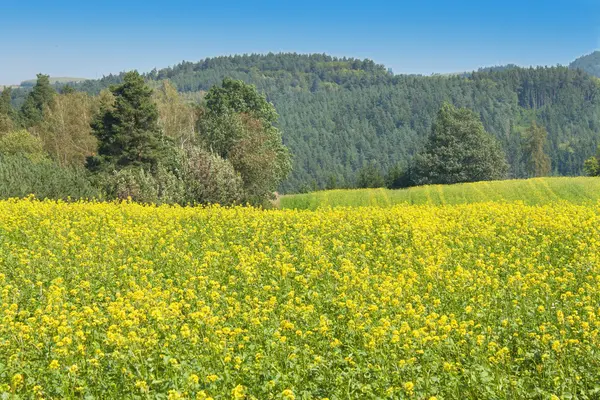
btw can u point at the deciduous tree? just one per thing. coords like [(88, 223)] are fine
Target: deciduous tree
[(537, 161), (459, 150)]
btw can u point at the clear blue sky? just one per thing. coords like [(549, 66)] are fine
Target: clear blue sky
[(90, 39)]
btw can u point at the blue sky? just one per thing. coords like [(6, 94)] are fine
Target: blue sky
[(90, 39)]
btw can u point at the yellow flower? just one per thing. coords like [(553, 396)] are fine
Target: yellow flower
[(288, 394), (174, 395), (17, 380), (54, 364), (193, 379), (142, 386), (239, 392)]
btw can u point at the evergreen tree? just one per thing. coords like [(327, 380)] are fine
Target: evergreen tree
[(370, 176), (7, 113), (538, 162), (459, 150), (127, 131), (591, 166), (67, 89), (32, 111)]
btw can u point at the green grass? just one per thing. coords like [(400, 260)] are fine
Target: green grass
[(530, 191)]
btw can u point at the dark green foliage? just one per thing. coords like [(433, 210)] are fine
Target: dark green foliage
[(592, 165), (21, 177), (398, 177), (127, 131), (458, 150), (7, 112), (67, 89), (235, 96), (538, 162), (370, 176), (32, 111)]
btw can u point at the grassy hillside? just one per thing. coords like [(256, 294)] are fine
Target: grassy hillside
[(530, 191)]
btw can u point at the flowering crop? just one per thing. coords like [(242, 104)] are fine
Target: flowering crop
[(106, 300)]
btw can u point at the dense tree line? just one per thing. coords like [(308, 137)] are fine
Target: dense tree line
[(341, 115), (149, 145)]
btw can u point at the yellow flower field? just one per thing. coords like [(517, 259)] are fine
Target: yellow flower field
[(481, 301)]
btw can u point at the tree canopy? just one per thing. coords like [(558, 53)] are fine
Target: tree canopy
[(127, 130), (459, 150), (32, 111)]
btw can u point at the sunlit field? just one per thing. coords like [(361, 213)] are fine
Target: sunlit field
[(529, 191), (426, 302)]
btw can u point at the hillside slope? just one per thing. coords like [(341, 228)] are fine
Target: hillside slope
[(530, 191), (589, 63)]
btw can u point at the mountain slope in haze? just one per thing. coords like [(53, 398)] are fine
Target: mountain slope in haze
[(339, 114), (54, 81), (589, 63)]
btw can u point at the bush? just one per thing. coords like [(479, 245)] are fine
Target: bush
[(211, 179), (162, 187), (21, 176)]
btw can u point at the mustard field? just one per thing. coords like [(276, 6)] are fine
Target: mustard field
[(123, 301)]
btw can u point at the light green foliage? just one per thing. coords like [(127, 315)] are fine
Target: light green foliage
[(538, 162), (22, 143), (211, 179), (65, 130), (589, 63), (134, 183), (530, 191), (176, 117)]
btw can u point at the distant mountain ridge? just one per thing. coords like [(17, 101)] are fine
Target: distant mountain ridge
[(54, 81)]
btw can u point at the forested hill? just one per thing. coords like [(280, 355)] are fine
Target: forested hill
[(337, 115), (590, 63)]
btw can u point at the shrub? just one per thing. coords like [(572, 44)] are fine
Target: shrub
[(211, 179), (21, 176)]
